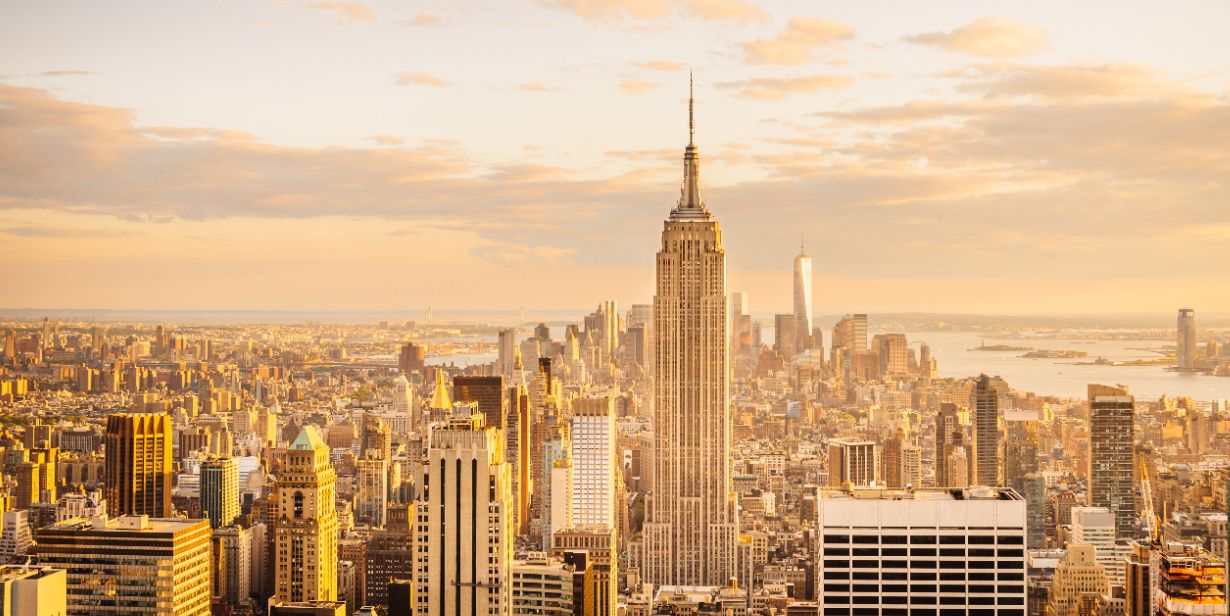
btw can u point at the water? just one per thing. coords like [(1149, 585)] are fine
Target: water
[(1063, 377)]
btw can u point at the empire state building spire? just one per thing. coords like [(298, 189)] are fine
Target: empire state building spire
[(690, 206)]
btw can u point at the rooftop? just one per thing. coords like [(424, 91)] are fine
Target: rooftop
[(979, 493)]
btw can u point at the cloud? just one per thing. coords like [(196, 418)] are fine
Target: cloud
[(54, 232), (660, 65), (772, 89), (739, 11), (346, 12), (67, 73), (635, 85), (1117, 80), (799, 41), (533, 86), (988, 36), (387, 139), (423, 19), (419, 79)]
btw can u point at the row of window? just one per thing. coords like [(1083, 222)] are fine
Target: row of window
[(917, 611), (834, 563), (947, 576), (922, 600), (926, 539), (953, 551), (925, 588)]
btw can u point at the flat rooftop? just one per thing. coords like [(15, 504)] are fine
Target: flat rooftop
[(976, 493)]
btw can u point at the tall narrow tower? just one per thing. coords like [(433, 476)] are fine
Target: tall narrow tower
[(137, 464), (802, 299), (691, 528), (305, 532), (1186, 342)]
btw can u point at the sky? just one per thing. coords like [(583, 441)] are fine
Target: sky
[(972, 157)]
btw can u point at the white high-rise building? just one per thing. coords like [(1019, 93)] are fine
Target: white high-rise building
[(921, 551), (1096, 526), (507, 348), (802, 298), (592, 427), (691, 529), (465, 521), (16, 537)]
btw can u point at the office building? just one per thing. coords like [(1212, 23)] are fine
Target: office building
[(894, 354), (986, 431), (220, 490), (740, 323), (802, 300), (33, 591), (1138, 582), (592, 435), (506, 351), (1078, 576), (852, 462), (541, 586), (1186, 339), (920, 551), (1190, 580), (138, 464), (1095, 526), (305, 532), (15, 537), (1112, 460), (371, 485), (131, 565), (1020, 453), (600, 545), (465, 521), (691, 526), (390, 553), (785, 335), (486, 391), (949, 435)]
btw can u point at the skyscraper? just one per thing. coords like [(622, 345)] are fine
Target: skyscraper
[(131, 565), (305, 533), (786, 335), (507, 351), (487, 391), (220, 490), (802, 299), (852, 462), (691, 527), (948, 436), (1112, 460), (137, 466), (1186, 341), (593, 461), (986, 432), (465, 522)]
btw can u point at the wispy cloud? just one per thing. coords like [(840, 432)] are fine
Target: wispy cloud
[(635, 85), (989, 36), (660, 65), (67, 73), (772, 89), (423, 19), (533, 86), (383, 139), (346, 12), (739, 11), (407, 78), (60, 232), (799, 42)]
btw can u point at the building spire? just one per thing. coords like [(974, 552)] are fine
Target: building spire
[(690, 206), (691, 110)]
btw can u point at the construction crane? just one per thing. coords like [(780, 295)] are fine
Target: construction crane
[(1151, 520)]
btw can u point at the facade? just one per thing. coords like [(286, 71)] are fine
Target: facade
[(137, 466), (948, 435), (305, 530), (786, 335), (592, 434), (371, 490), (131, 565), (1096, 526), (986, 431), (234, 570), (925, 551), (541, 586), (33, 591), (600, 544), (691, 527), (15, 537), (1112, 460), (465, 522), (852, 462), (894, 355), (1186, 339), (1190, 580), (486, 391), (220, 490), (1078, 576), (802, 300)]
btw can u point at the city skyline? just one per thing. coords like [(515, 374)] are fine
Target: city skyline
[(1088, 147)]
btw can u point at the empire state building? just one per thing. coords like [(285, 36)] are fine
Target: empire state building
[(690, 527)]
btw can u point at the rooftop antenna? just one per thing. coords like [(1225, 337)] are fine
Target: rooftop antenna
[(691, 121)]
